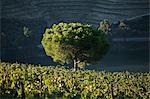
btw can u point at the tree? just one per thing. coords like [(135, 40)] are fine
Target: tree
[(104, 26), (27, 32), (124, 28), (74, 43), (123, 25)]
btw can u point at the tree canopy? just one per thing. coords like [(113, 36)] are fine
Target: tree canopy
[(104, 26), (74, 43)]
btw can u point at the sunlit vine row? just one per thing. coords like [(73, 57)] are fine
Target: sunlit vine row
[(30, 81)]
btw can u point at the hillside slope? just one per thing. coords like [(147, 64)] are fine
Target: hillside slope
[(87, 11)]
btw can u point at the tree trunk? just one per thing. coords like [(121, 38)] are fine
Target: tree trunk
[(75, 65)]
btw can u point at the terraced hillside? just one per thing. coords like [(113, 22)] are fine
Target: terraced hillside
[(88, 11)]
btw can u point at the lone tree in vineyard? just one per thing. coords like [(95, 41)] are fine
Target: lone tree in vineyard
[(74, 43)]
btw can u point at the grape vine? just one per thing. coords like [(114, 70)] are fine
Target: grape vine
[(31, 81)]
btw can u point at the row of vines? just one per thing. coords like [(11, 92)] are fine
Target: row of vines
[(35, 81)]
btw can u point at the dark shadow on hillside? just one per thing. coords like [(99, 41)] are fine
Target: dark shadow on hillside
[(129, 49)]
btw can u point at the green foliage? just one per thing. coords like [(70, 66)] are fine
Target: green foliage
[(104, 26), (123, 25), (27, 32), (59, 82), (66, 42)]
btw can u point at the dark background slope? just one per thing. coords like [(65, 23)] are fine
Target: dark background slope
[(87, 11), (129, 49)]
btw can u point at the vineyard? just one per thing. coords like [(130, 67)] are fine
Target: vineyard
[(48, 82)]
